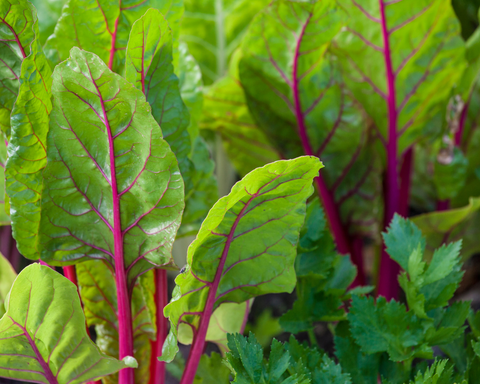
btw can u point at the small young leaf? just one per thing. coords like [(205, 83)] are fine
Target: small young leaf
[(402, 239), (45, 320)]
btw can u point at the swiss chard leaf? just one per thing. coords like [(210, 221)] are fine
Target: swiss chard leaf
[(42, 335), (26, 152), (297, 96), (17, 19), (246, 246), (425, 53), (213, 30), (127, 208), (103, 28), (149, 65)]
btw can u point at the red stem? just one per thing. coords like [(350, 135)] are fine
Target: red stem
[(157, 368), (443, 205), (461, 123), (199, 342), (388, 285), (357, 259), (125, 334)]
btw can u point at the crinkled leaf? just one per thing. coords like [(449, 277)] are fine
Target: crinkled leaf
[(296, 94), (103, 27), (452, 225), (426, 52), (225, 112), (17, 32), (99, 297), (42, 335), (213, 30), (227, 318), (129, 204), (26, 151), (7, 277), (247, 244)]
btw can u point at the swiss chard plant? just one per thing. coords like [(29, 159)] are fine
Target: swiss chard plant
[(341, 119)]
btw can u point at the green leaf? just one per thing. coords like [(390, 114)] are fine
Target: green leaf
[(225, 112), (385, 327), (438, 373), (427, 58), (211, 370), (17, 18), (103, 28), (26, 150), (149, 65), (213, 30), (296, 95), (4, 203), (7, 277), (402, 239), (247, 244), (43, 336), (227, 318), (363, 368), (452, 225), (288, 363), (99, 296), (203, 192), (128, 207)]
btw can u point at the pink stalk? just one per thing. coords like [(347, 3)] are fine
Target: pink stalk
[(125, 333), (157, 368), (387, 282), (443, 205), (331, 211), (199, 342), (357, 259)]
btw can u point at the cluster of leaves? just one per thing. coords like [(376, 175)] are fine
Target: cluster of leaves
[(104, 166)]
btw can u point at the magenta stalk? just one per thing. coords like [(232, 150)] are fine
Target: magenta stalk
[(157, 368), (387, 281)]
